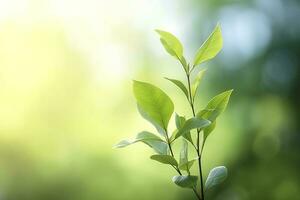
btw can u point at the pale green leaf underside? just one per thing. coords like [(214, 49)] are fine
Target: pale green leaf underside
[(183, 156), (165, 159), (193, 123), (180, 85), (148, 138), (185, 181), (154, 102), (210, 48), (216, 176)]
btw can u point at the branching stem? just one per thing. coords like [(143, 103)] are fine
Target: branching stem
[(198, 149)]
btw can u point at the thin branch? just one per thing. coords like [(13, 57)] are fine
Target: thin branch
[(198, 137)]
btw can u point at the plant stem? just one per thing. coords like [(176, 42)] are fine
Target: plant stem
[(169, 144), (198, 137), (200, 167)]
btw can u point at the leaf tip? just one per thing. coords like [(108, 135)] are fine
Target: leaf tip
[(121, 144), (230, 91), (158, 31), (134, 81)]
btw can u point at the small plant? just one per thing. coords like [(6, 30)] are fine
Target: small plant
[(155, 106)]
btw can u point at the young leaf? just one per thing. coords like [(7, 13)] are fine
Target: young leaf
[(180, 85), (185, 181), (208, 130), (183, 156), (154, 102), (187, 166), (171, 43), (216, 176), (215, 106), (179, 121), (210, 48), (197, 82), (165, 159), (184, 163), (148, 138), (193, 123)]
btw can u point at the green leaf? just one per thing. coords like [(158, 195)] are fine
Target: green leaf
[(171, 43), (174, 133), (184, 163), (165, 159), (208, 130), (187, 166), (154, 103), (215, 106), (148, 138), (211, 47), (158, 146), (193, 123), (180, 85), (156, 125), (183, 156), (179, 120), (185, 181), (188, 136), (216, 176), (185, 65), (123, 143), (141, 137), (197, 82)]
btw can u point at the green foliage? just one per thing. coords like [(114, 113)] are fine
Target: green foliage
[(155, 142), (156, 107), (184, 163), (154, 102), (187, 166), (179, 121), (216, 176), (197, 82), (173, 46), (165, 159), (185, 181), (180, 85), (190, 124), (215, 106), (183, 158), (210, 48)]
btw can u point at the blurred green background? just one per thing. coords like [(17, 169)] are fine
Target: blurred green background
[(65, 96)]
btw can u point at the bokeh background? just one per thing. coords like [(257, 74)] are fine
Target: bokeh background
[(65, 96)]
